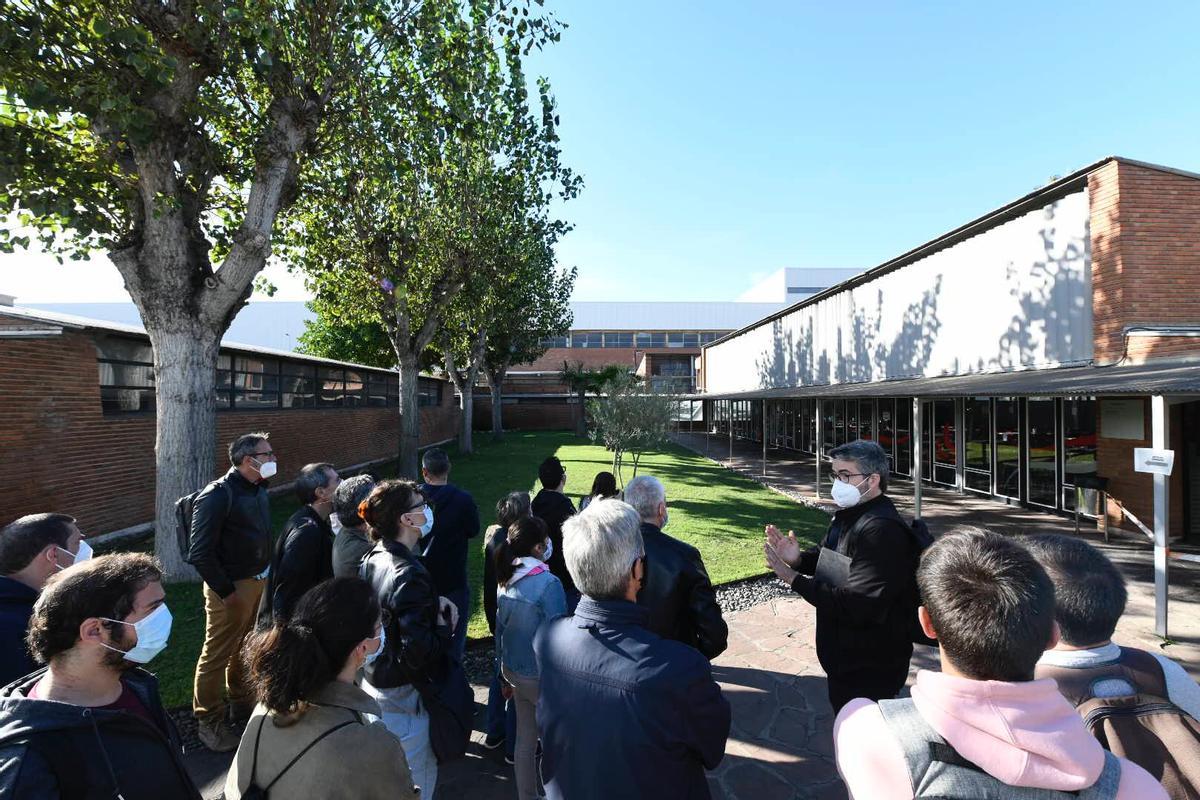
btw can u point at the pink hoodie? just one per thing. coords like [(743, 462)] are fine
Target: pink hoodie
[(1024, 734)]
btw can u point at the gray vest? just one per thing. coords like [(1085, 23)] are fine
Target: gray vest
[(938, 771)]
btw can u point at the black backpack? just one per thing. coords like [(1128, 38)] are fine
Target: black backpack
[(922, 537), (254, 791), (183, 518)]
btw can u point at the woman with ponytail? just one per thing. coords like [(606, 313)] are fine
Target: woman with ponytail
[(314, 733), (420, 623), (529, 596)]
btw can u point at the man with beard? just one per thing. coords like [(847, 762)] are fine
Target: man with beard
[(91, 722)]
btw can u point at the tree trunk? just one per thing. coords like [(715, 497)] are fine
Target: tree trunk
[(496, 379), (467, 403), (581, 422), (410, 422), (185, 364)]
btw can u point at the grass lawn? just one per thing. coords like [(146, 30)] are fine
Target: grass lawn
[(718, 511)]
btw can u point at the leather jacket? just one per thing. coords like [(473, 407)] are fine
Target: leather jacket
[(417, 640), (679, 596), (231, 539)]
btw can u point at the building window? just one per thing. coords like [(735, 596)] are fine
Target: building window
[(355, 389), (904, 416), (429, 392), (709, 336), (554, 341), (651, 340), (298, 384), (331, 387), (945, 443), (1042, 460), (1008, 447), (1078, 448), (618, 339), (977, 430), (587, 340), (885, 430), (126, 371), (255, 382)]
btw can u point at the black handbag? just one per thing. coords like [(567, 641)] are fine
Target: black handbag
[(450, 703)]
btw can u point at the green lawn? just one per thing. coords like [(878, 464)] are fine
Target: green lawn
[(719, 512)]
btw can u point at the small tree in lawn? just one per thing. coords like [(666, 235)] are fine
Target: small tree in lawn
[(631, 420), (582, 381)]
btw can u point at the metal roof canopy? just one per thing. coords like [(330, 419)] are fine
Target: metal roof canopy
[(1159, 377)]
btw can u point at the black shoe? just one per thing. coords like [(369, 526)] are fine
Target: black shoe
[(492, 741)]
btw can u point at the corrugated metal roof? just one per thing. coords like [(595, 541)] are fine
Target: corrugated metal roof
[(1159, 377), (667, 316)]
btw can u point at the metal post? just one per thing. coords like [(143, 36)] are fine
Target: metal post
[(729, 409), (764, 435), (706, 409), (1160, 439), (819, 443), (916, 456)]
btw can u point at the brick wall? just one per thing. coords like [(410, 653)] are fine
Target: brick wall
[(553, 416), (1135, 490), (1145, 229), (61, 453)]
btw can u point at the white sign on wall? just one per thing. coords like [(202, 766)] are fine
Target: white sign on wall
[(1157, 462), (1123, 418)]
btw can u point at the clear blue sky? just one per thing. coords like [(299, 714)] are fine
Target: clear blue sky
[(721, 141)]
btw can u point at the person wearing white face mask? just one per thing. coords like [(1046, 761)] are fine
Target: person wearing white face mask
[(92, 720), (314, 734), (230, 547), (32, 550), (420, 623), (530, 594), (861, 579)]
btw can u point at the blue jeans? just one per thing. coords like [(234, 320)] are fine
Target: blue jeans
[(462, 601), (501, 717), (405, 716)]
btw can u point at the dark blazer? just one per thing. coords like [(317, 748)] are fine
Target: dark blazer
[(865, 626), (417, 641), (16, 607), (228, 547), (655, 719), (350, 547), (678, 595), (554, 508), (110, 753), (303, 558), (444, 551)]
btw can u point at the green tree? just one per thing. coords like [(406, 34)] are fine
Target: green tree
[(582, 381), (351, 340), (173, 135), (631, 419)]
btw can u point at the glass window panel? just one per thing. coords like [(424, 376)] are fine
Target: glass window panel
[(691, 340), (354, 388), (839, 421), (118, 349), (120, 400), (944, 434), (851, 420), (223, 398), (300, 390), (223, 361), (675, 340), (587, 339), (429, 392), (885, 432), (254, 398), (554, 341), (618, 339), (330, 387), (866, 413), (904, 435), (1079, 448), (978, 481), (1043, 461), (1008, 447), (828, 423), (977, 424)]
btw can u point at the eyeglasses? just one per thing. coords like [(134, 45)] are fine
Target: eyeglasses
[(846, 476), (260, 456)]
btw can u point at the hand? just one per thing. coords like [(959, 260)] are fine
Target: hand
[(786, 546), (777, 565), (506, 691), (448, 611)]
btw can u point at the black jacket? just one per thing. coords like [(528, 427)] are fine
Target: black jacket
[(496, 535), (105, 752), (554, 508), (16, 607), (417, 640), (623, 713), (303, 558), (228, 547), (678, 595), (444, 550), (350, 547), (865, 626)]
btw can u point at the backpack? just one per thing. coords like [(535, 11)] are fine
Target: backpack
[(1145, 727), (254, 791), (923, 538), (938, 771), (184, 507)]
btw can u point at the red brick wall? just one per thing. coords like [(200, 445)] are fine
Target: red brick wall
[(1145, 229), (1135, 490), (61, 453), (555, 416)]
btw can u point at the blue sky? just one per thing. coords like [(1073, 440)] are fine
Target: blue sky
[(720, 142)]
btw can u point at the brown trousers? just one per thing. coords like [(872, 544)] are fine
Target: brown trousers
[(221, 668)]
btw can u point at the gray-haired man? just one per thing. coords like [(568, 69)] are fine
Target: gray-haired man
[(865, 610), (352, 543), (676, 591)]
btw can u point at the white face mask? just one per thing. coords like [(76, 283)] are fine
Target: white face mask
[(152, 635), (549, 550), (266, 469), (335, 523), (372, 656), (85, 552), (428, 525), (846, 494)]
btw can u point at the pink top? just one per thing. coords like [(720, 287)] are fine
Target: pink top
[(1024, 734)]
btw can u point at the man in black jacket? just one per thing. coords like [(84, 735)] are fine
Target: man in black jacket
[(353, 541), (553, 507), (231, 549), (91, 723), (865, 613), (444, 546), (304, 552), (32, 550), (676, 592)]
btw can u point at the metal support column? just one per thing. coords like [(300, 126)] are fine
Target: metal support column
[(820, 442), (707, 408), (764, 435), (1160, 440), (916, 456), (729, 409)]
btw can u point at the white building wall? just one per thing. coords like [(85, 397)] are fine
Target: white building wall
[(1013, 297)]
